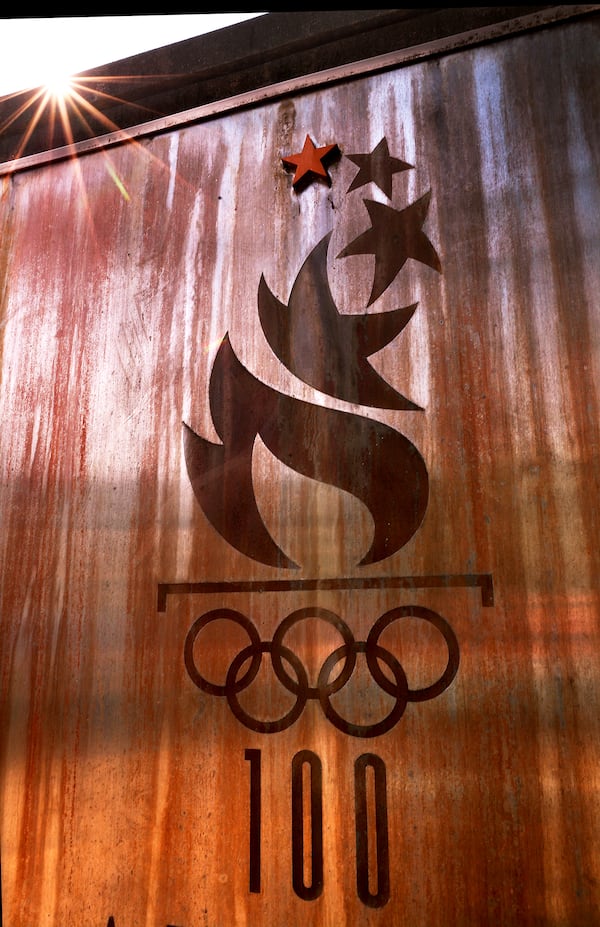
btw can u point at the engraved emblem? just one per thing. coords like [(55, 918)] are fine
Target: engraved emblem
[(329, 351)]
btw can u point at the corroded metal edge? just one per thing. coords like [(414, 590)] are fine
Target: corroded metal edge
[(442, 46)]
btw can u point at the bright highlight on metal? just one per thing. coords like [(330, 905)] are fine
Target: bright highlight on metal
[(59, 86)]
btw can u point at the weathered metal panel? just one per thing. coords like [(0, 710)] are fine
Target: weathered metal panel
[(147, 776)]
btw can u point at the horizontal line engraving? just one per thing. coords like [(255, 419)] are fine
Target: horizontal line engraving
[(483, 581)]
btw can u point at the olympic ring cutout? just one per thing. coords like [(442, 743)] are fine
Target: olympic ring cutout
[(188, 653), (299, 687), (401, 693), (415, 611), (266, 727), (300, 614)]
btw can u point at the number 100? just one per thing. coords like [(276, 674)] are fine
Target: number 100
[(375, 896)]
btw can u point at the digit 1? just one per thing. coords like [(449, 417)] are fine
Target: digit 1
[(253, 756), (312, 891), (381, 896)]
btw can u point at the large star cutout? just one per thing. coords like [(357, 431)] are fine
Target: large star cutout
[(309, 163), (377, 167), (394, 237)]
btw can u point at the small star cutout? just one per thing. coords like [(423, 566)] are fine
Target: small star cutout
[(394, 237), (377, 167), (309, 163)]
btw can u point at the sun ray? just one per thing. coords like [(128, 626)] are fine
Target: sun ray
[(31, 101), (35, 119), (64, 108)]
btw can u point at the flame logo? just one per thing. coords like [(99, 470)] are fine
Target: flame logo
[(366, 458), (329, 351), (326, 349)]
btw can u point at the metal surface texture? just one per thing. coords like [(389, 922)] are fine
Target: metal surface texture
[(299, 487), (242, 59)]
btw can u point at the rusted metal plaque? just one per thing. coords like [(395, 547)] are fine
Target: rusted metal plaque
[(299, 503)]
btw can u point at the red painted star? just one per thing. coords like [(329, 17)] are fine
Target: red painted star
[(309, 163)]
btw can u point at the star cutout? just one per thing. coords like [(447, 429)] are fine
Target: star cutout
[(309, 162), (377, 167), (394, 237)]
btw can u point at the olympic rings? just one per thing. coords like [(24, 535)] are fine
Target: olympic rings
[(299, 686)]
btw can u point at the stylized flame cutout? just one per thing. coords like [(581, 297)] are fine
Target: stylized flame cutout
[(366, 458), (326, 349)]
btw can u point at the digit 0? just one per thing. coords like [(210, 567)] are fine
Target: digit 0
[(365, 870), (314, 889)]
